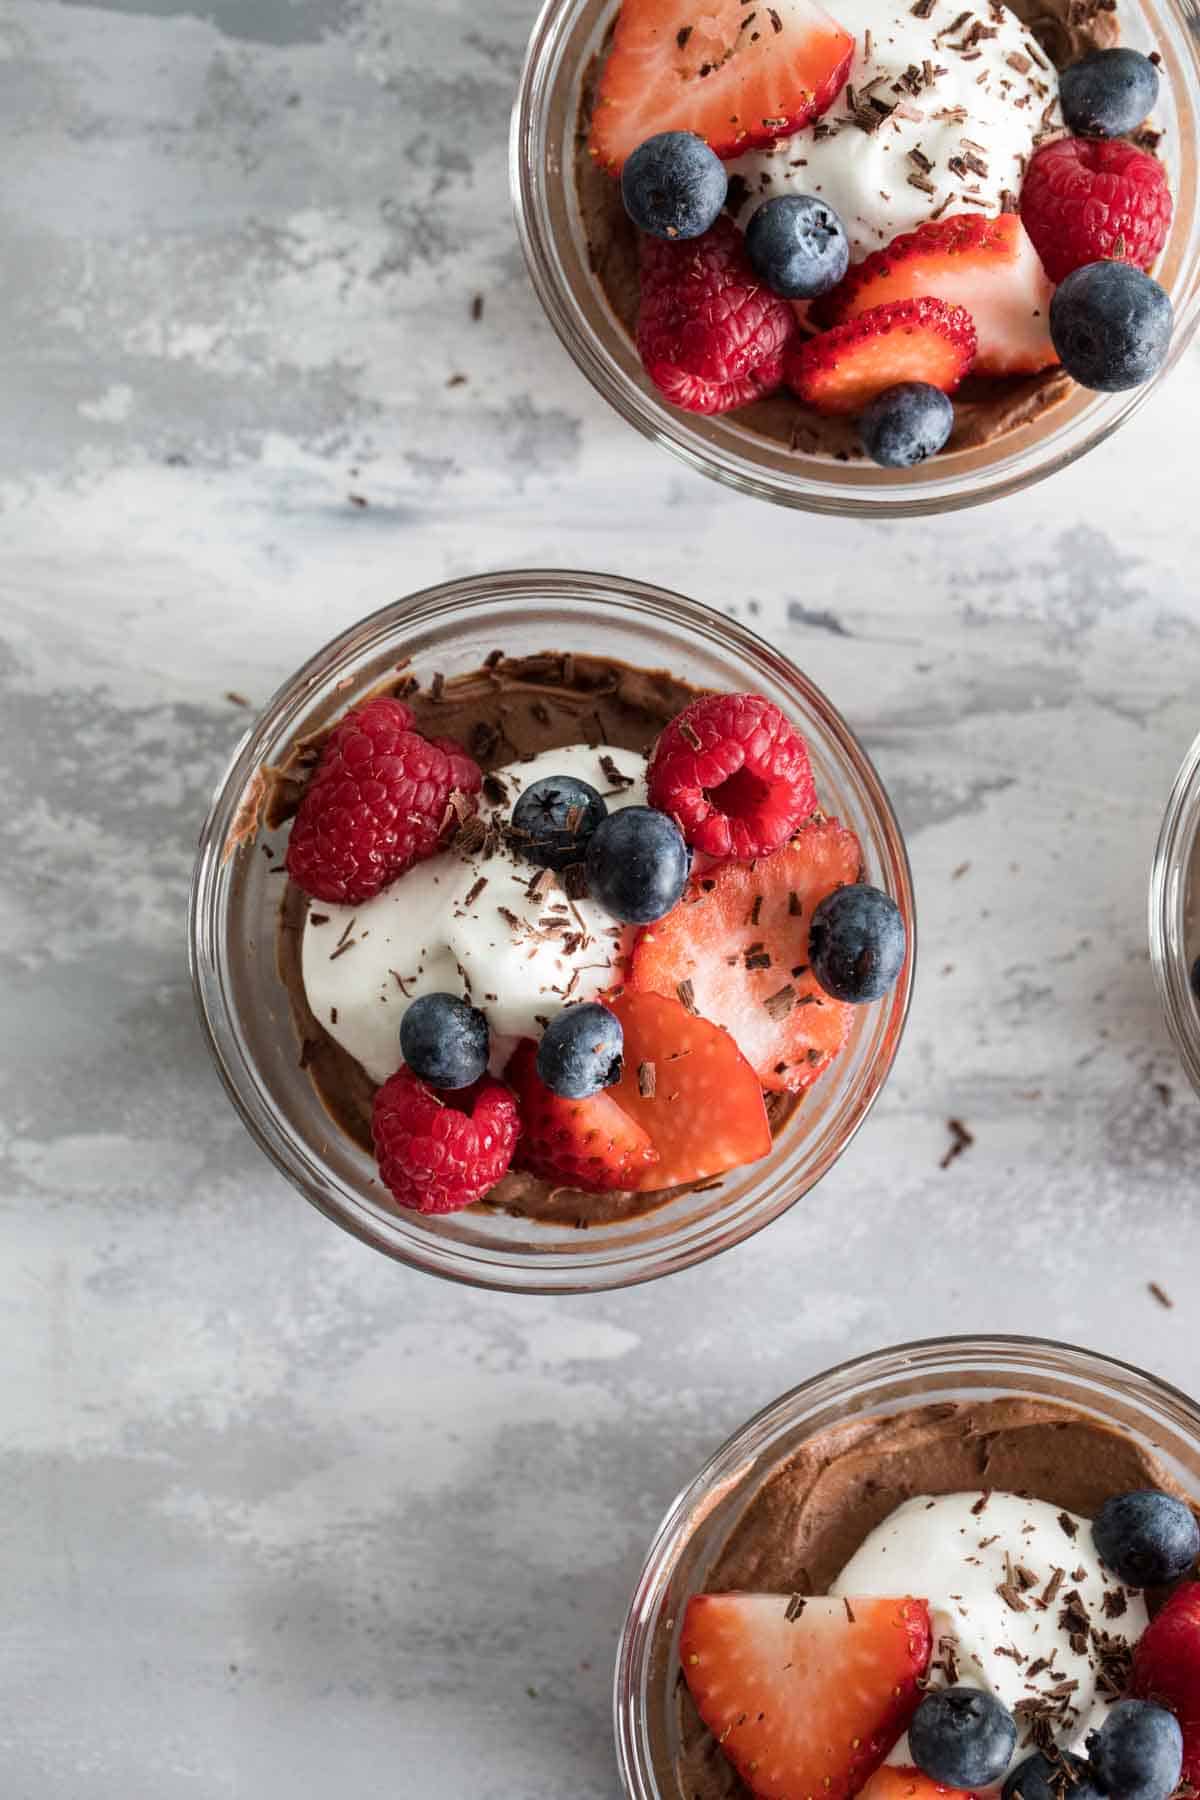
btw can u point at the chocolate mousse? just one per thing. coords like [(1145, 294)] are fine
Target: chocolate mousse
[(803, 1525), (985, 409), (510, 709)]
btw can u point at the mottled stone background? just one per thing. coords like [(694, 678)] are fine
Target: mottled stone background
[(278, 1519)]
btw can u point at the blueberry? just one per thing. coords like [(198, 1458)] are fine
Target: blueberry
[(962, 1737), (1146, 1538), (856, 943), (637, 864), (1138, 1752), (444, 1041), (673, 185), (905, 424), (581, 1051), (1111, 325), (1108, 93), (797, 246), (1058, 1777), (554, 818)]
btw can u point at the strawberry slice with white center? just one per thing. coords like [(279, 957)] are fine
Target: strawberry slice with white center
[(736, 74), (843, 370), (902, 1782), (805, 1697), (737, 945), (988, 266)]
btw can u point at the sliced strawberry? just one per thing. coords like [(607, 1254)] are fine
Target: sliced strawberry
[(805, 1698), (691, 1089), (1166, 1669), (593, 1144), (739, 938), (840, 371), (901, 1782), (988, 266), (737, 75)]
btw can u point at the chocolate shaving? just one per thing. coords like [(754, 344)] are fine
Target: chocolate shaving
[(919, 157), (318, 918), (981, 1506), (849, 1610), (795, 1607), (646, 1080), (687, 997), (960, 1139), (400, 982), (780, 1003), (474, 891), (470, 837), (1160, 1293), (574, 881), (795, 904), (613, 775), (1049, 1593), (1068, 1524), (1115, 1603), (923, 183), (683, 34)]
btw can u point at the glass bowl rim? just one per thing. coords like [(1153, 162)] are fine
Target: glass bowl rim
[(1167, 907)]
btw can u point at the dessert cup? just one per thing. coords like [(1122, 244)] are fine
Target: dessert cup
[(566, 37), (1155, 1415), (1175, 912), (235, 900)]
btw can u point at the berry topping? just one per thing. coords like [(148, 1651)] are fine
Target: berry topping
[(554, 819), (734, 80), (1166, 1669), (465, 774), (590, 1144), (674, 186), (988, 266), (797, 245), (805, 1697), (737, 951), (1108, 93), (709, 334), (896, 1781), (444, 1041), (905, 424), (438, 1155), (637, 864), (691, 1090), (1082, 200), (580, 1052), (1061, 1776), (963, 1737), (376, 803), (734, 773), (1111, 326), (1137, 1754), (843, 370), (856, 944), (1146, 1537)]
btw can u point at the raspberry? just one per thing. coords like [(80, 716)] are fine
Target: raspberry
[(465, 774), (1085, 200), (440, 1152), (734, 774), (377, 802), (709, 334)]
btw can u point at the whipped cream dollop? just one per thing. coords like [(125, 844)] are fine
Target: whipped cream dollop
[(480, 923), (1019, 1600), (943, 108)]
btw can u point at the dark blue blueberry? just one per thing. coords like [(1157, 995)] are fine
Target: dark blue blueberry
[(1137, 1754), (1146, 1538), (856, 943), (673, 185), (962, 1737), (1058, 1777), (581, 1051), (797, 246), (905, 424), (637, 864), (444, 1041), (1108, 93), (1111, 325), (554, 818)]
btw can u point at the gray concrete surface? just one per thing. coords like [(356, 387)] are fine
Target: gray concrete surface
[(276, 1518)]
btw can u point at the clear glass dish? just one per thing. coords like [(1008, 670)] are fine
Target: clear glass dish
[(888, 1381), (244, 1006), (1175, 913), (567, 35)]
